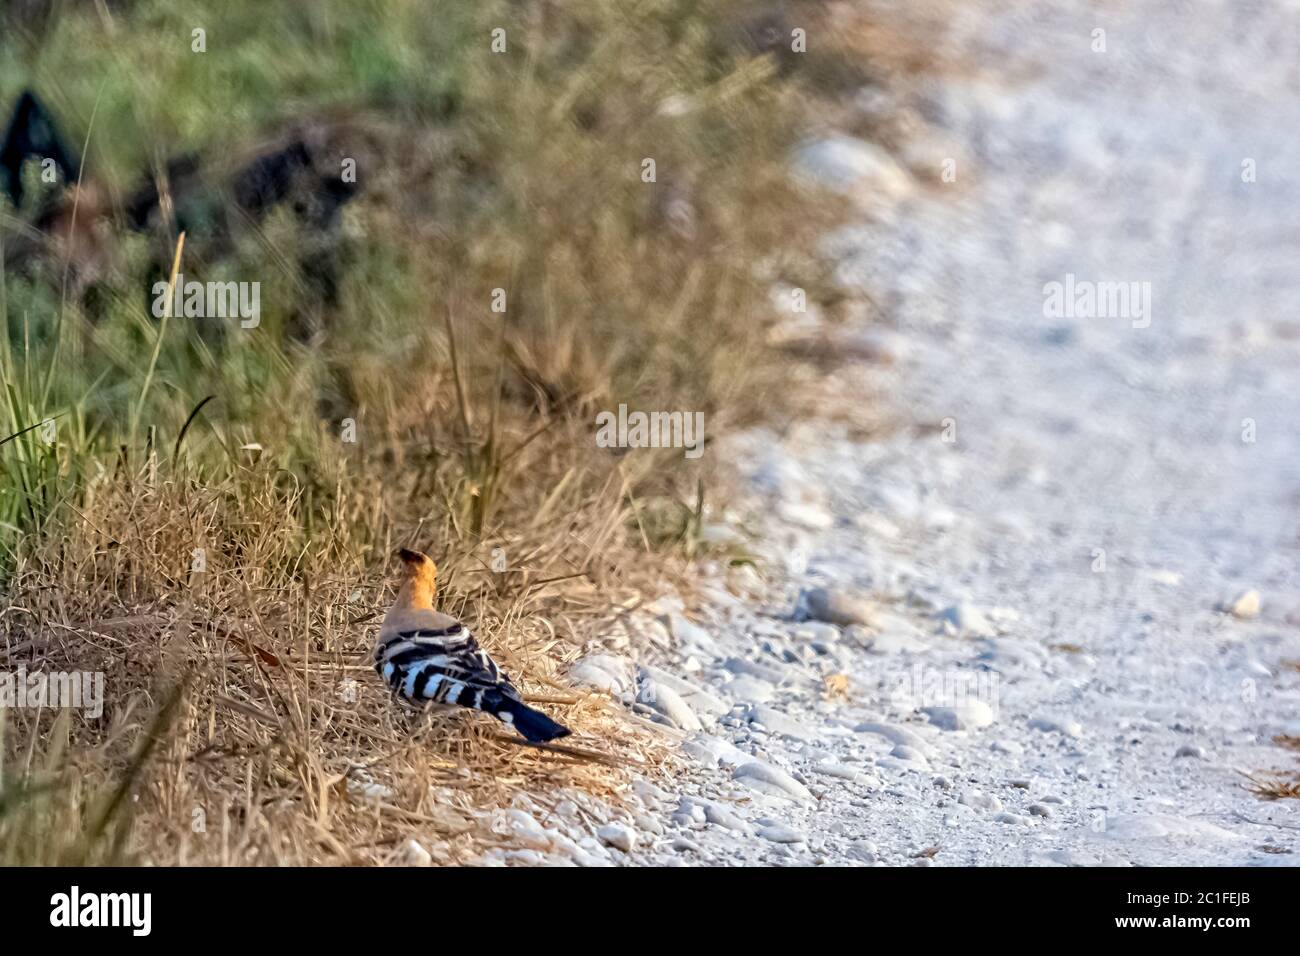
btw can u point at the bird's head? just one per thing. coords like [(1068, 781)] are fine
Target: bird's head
[(421, 576)]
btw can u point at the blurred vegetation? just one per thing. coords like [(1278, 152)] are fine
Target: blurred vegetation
[(517, 170)]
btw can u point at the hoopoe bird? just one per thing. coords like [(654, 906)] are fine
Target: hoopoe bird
[(426, 656)]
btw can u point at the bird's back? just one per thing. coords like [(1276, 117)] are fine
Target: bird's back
[(402, 619), (427, 657)]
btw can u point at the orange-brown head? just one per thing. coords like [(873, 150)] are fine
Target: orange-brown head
[(420, 587)]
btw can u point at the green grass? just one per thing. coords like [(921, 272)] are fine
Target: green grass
[(146, 89)]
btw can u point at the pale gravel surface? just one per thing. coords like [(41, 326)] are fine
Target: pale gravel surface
[(1071, 436)]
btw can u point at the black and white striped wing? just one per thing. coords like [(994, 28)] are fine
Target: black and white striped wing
[(444, 666)]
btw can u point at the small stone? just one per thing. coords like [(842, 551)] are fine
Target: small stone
[(1166, 577), (1191, 750), (610, 673), (778, 723), (637, 631), (1004, 653), (1070, 728), (722, 817), (713, 751), (666, 701), (853, 165), (908, 754), (665, 604), (839, 770), (750, 690), (894, 734), (647, 791), (526, 857), (1245, 605), (1071, 858), (589, 854), (817, 633), (980, 801), (413, 854), (524, 829), (618, 836), (719, 535), (890, 634), (648, 823), (1010, 818), (776, 676), (690, 636), (774, 780), (697, 698), (1039, 810), (683, 845), (838, 607), (967, 620), (864, 850), (828, 650), (806, 514), (966, 715), (690, 812), (781, 834), (743, 580), (369, 790)]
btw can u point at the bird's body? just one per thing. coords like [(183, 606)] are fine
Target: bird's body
[(426, 656)]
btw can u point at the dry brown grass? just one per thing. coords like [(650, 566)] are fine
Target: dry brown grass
[(281, 720), (1274, 784), (1277, 784)]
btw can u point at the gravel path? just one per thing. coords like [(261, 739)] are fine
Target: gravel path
[(1040, 671)]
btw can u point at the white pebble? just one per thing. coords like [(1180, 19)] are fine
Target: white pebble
[(1010, 818), (838, 607), (966, 715), (668, 702), (967, 620), (894, 734), (773, 780), (722, 817), (781, 834), (908, 754), (1070, 728), (980, 801), (1245, 605), (415, 855), (618, 836)]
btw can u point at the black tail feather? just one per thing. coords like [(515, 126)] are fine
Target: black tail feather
[(533, 725)]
